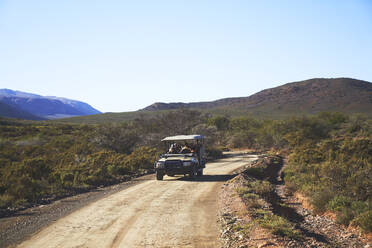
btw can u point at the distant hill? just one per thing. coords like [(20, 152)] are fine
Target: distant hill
[(311, 96), (22, 105), (305, 97)]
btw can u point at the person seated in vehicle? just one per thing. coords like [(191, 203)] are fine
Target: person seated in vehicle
[(196, 149), (186, 149), (174, 148), (193, 148)]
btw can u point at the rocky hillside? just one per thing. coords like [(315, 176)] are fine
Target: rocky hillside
[(304, 97), (17, 104)]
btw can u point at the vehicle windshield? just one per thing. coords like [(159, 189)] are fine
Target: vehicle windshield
[(182, 148), (177, 155)]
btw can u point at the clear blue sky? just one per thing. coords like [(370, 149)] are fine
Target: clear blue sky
[(124, 55)]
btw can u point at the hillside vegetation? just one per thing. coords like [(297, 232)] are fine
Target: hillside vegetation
[(329, 155)]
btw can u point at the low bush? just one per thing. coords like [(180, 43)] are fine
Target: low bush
[(364, 220), (320, 199), (251, 200), (262, 188), (256, 172), (279, 226), (214, 153)]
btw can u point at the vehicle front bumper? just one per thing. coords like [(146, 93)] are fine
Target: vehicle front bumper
[(175, 170)]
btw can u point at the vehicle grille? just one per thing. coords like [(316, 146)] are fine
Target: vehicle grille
[(169, 164)]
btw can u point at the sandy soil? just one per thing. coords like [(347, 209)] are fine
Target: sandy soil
[(21, 225), (176, 212)]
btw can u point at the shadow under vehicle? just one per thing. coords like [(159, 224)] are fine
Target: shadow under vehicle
[(185, 156)]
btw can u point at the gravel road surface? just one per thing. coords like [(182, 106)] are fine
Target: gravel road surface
[(176, 212)]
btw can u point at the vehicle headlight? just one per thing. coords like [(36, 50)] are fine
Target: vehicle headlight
[(160, 164), (187, 163)]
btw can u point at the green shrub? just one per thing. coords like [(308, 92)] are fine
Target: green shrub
[(256, 172), (242, 139), (67, 179), (345, 216), (347, 210), (320, 199), (141, 159), (338, 203), (364, 220), (262, 188), (213, 153), (221, 122), (251, 200), (279, 226), (360, 207), (6, 200)]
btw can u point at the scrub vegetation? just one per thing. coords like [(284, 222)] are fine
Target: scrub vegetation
[(330, 155), (42, 161), (330, 159)]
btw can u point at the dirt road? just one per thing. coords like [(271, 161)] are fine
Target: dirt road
[(175, 212)]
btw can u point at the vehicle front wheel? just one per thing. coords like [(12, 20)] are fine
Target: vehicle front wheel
[(159, 176), (192, 174)]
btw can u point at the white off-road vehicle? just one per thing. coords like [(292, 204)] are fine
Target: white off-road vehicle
[(185, 156)]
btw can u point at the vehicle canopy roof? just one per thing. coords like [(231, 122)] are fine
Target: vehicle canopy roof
[(184, 137)]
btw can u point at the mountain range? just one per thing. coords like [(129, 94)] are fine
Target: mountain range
[(22, 105), (311, 96)]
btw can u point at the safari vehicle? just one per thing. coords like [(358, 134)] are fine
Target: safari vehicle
[(185, 156)]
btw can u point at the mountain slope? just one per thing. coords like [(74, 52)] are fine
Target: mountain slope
[(307, 97), (43, 107), (10, 112)]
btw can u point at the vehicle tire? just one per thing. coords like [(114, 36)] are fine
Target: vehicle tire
[(192, 173), (200, 173), (159, 176)]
